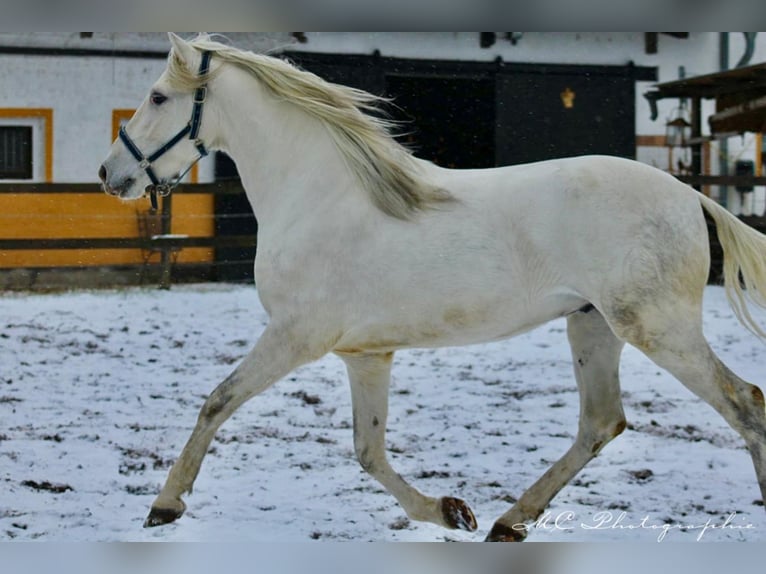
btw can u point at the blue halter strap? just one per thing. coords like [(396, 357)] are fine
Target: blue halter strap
[(163, 188)]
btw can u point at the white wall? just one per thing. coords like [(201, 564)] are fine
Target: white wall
[(82, 91), (139, 41)]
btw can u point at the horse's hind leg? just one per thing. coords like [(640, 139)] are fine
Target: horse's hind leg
[(684, 352), (596, 354), (275, 355), (370, 375)]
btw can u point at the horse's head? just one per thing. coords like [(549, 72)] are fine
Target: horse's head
[(165, 136)]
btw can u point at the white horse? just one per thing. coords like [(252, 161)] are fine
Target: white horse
[(364, 249)]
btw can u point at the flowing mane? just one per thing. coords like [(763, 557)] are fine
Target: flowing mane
[(385, 169)]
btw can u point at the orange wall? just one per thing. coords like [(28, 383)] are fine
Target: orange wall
[(64, 216), (193, 216)]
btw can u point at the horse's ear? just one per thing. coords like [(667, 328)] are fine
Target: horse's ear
[(181, 47)]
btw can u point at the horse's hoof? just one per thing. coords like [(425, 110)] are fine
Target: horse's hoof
[(160, 516), (502, 533), (457, 514)]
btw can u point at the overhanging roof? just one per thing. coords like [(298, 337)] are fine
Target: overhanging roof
[(740, 96), (715, 85)]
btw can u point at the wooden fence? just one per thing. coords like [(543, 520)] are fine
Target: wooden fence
[(48, 233)]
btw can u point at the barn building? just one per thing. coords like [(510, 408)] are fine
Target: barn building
[(474, 99)]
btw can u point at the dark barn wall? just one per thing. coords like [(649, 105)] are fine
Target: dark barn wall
[(482, 114)]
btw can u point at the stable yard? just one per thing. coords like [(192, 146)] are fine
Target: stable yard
[(100, 389)]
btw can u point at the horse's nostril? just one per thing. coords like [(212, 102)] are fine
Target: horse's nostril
[(102, 173)]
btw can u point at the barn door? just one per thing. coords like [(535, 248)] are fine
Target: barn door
[(562, 111), (449, 120)]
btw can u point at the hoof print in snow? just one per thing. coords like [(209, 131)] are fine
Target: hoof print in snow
[(47, 486), (642, 475)]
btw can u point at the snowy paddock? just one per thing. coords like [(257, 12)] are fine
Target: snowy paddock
[(100, 389)]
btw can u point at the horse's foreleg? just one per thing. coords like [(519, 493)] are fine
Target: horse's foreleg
[(370, 375), (277, 352), (596, 354)]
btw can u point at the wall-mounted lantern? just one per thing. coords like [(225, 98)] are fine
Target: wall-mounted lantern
[(678, 128)]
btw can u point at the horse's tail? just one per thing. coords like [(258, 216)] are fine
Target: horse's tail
[(744, 263)]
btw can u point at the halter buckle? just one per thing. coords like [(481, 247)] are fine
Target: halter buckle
[(200, 95), (200, 145), (163, 190), (144, 164)]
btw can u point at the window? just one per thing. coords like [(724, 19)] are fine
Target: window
[(16, 152), (26, 145)]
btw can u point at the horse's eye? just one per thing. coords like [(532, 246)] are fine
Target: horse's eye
[(157, 98)]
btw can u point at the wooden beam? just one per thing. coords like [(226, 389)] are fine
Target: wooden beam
[(651, 141), (749, 116), (217, 188), (736, 180), (650, 42), (129, 242), (696, 133)]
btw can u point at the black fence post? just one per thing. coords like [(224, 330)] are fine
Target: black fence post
[(165, 254)]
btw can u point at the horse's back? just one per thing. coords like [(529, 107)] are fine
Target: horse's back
[(579, 183), (594, 225)]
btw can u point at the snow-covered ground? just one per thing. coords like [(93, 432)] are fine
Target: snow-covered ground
[(99, 391)]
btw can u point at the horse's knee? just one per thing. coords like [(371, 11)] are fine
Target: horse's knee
[(214, 405), (220, 397)]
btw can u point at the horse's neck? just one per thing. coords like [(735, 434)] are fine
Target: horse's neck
[(286, 159)]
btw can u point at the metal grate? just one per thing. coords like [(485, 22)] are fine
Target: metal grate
[(15, 152)]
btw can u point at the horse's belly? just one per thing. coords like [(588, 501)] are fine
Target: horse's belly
[(455, 325)]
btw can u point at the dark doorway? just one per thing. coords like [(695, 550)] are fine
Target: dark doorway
[(234, 216), (564, 112), (449, 121)]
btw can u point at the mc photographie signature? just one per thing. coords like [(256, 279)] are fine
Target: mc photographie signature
[(607, 520)]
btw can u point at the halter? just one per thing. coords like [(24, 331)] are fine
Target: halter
[(158, 187)]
